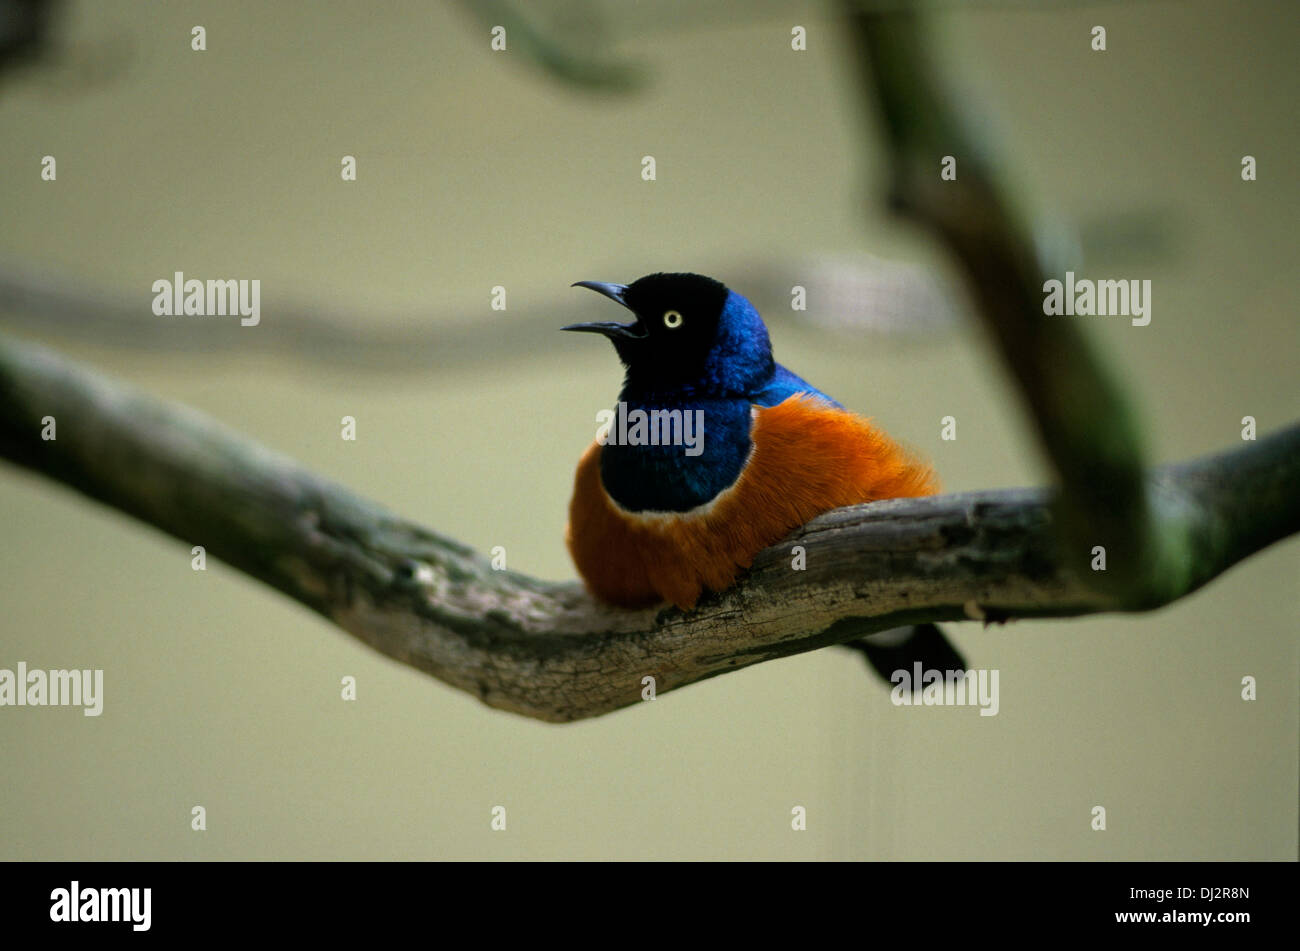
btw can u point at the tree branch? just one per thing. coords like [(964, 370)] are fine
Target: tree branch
[(547, 650), (1080, 409)]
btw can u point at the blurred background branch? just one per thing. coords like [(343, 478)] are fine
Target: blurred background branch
[(853, 297), (1082, 414)]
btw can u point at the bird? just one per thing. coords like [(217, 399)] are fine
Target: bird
[(714, 451)]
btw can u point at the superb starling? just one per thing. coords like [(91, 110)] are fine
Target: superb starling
[(714, 452)]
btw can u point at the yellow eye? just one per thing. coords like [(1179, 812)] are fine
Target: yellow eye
[(672, 318)]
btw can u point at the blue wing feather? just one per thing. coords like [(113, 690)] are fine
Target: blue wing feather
[(784, 384)]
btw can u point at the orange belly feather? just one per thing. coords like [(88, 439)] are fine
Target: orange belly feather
[(808, 458)]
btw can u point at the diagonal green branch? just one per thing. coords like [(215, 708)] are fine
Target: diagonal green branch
[(547, 650), (1080, 410)]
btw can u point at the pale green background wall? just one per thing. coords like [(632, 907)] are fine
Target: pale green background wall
[(476, 171)]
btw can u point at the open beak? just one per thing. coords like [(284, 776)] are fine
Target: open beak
[(615, 292)]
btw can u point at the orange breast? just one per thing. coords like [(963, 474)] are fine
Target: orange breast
[(808, 458)]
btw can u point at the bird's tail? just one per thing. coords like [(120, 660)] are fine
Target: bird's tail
[(901, 648)]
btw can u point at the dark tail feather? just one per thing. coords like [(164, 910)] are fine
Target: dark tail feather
[(902, 647)]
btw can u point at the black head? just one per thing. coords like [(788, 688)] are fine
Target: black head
[(676, 327)]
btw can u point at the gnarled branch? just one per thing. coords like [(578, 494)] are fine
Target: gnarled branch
[(547, 650)]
